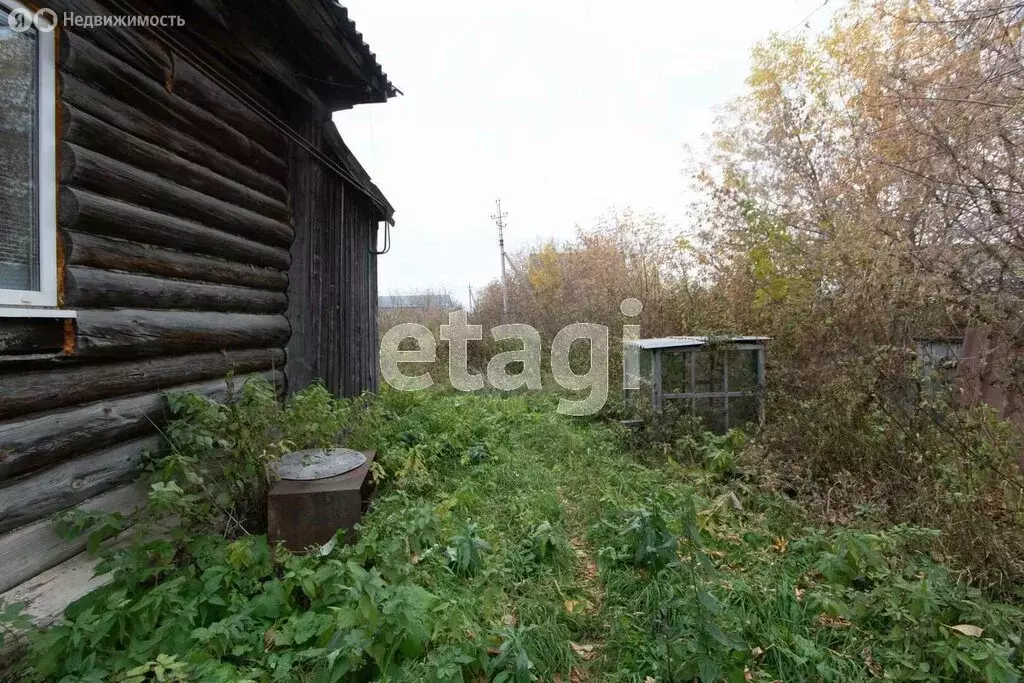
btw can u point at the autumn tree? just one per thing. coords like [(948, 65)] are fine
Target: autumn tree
[(625, 254), (865, 191)]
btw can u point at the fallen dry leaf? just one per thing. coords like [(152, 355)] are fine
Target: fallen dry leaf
[(873, 666), (833, 622), (650, 679), (780, 544), (799, 593), (747, 676), (585, 651), (968, 630), (757, 652), (570, 605)]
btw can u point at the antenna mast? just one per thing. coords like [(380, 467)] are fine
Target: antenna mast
[(499, 220)]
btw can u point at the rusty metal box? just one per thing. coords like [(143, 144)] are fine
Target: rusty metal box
[(308, 513)]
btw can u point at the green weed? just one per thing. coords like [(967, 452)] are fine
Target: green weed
[(466, 569)]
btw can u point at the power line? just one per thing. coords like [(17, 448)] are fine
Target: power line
[(499, 220), (806, 19), (201, 65)]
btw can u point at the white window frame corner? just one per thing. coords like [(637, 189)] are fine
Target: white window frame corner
[(46, 149)]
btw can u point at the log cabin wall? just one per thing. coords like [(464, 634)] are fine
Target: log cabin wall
[(180, 213)]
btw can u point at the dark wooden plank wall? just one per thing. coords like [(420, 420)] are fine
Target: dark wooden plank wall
[(175, 225), (332, 294)]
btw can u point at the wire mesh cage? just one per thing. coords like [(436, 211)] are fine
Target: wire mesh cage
[(721, 380)]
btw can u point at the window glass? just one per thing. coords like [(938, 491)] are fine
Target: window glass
[(19, 220)]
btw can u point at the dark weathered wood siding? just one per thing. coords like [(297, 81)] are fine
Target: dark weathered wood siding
[(332, 294), (181, 213)]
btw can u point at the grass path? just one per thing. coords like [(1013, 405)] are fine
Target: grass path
[(689, 573), (586, 575)]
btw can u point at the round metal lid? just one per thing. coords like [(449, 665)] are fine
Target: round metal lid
[(317, 463)]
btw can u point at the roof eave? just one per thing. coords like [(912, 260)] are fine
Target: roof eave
[(329, 23)]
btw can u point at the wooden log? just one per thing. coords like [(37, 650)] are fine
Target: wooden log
[(31, 335), (33, 548), (46, 438), (46, 596), (95, 288), (93, 213), (181, 78), (105, 72), (243, 46), (33, 496), (114, 41), (110, 254), (90, 132), (191, 84), (151, 333), (131, 120), (92, 171), (36, 547), (131, 47), (28, 392)]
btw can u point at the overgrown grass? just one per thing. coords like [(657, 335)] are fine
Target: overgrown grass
[(708, 578), (510, 543)]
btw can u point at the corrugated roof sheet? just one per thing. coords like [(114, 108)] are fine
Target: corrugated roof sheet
[(355, 37), (683, 342)]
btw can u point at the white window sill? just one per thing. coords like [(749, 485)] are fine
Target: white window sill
[(35, 312)]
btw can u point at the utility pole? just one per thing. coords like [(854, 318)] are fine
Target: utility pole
[(499, 220)]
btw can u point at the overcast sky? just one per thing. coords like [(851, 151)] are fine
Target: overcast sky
[(563, 109)]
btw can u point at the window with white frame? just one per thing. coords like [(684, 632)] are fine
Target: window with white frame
[(28, 231)]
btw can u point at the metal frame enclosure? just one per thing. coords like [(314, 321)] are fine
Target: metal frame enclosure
[(658, 396)]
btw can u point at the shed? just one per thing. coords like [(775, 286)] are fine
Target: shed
[(181, 207), (719, 378)]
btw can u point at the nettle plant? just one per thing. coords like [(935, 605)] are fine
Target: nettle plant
[(197, 594), (212, 474), (661, 540)]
